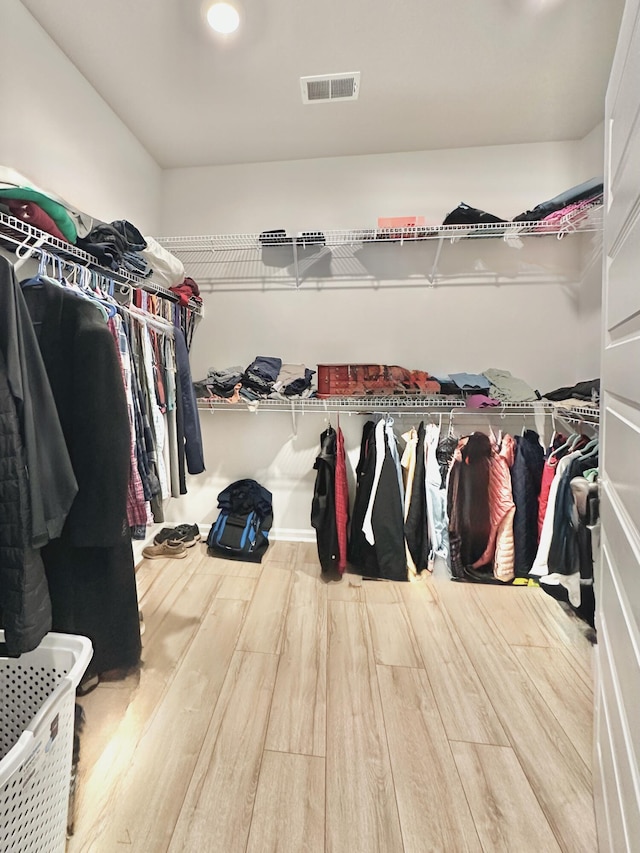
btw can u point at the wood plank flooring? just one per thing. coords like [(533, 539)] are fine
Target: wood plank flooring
[(277, 712)]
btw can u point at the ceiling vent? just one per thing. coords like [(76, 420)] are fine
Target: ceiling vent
[(330, 87)]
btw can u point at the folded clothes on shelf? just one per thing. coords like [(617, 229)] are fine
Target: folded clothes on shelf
[(508, 388), (590, 189)]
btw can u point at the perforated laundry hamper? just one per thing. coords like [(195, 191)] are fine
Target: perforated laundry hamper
[(37, 697)]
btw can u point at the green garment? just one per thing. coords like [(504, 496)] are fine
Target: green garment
[(56, 211)]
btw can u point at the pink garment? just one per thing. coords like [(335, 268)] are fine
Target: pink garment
[(501, 509), (548, 473), (577, 211)]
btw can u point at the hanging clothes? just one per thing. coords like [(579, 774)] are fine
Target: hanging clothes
[(468, 506), (189, 433), (526, 479), (323, 506), (415, 506), (377, 544), (437, 519), (362, 554), (500, 547), (575, 521), (342, 501), (52, 483), (387, 516), (90, 568), (25, 605), (138, 511), (408, 462), (540, 565)]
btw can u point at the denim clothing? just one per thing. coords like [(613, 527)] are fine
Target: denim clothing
[(191, 436)]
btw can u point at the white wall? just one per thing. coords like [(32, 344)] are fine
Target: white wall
[(530, 329), (591, 163), (57, 130), (351, 192)]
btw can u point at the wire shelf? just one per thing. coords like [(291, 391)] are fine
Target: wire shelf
[(17, 232), (390, 403), (579, 414), (588, 219)]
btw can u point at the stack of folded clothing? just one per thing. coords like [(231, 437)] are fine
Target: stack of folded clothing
[(41, 208), (33, 214), (577, 395), (221, 385), (117, 244), (572, 200), (294, 380), (266, 377), (508, 388), (260, 377)]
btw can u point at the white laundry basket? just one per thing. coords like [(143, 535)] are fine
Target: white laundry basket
[(37, 698)]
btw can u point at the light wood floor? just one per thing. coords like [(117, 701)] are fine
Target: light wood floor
[(276, 712)]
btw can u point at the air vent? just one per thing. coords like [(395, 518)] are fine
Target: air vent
[(330, 87)]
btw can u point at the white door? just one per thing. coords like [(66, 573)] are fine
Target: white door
[(617, 722)]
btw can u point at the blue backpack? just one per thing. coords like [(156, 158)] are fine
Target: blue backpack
[(241, 531)]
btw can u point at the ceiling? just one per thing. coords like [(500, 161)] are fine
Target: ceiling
[(435, 73)]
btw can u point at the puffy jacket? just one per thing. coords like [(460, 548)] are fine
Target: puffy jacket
[(25, 607), (500, 547), (526, 478)]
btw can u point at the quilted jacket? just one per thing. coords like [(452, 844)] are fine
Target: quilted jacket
[(500, 547), (526, 478)]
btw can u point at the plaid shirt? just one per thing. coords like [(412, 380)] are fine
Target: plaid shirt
[(138, 512)]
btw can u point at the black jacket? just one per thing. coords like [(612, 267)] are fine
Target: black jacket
[(90, 568), (323, 505), (52, 484), (415, 526), (25, 606), (361, 554), (526, 478)]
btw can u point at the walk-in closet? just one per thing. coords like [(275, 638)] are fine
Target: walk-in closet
[(319, 505)]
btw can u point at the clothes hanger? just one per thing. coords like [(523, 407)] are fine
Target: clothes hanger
[(27, 250)]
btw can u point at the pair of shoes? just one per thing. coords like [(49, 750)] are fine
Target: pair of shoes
[(189, 534), (176, 550)]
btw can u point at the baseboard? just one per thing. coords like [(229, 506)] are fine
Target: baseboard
[(292, 534), (277, 534)]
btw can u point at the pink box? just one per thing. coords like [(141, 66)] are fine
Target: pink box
[(400, 221)]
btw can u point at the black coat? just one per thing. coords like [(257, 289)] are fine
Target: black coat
[(526, 478), (361, 554), (25, 607), (52, 484), (415, 526), (90, 569), (323, 505), (387, 558)]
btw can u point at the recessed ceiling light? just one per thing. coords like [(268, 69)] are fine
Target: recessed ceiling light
[(223, 18)]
